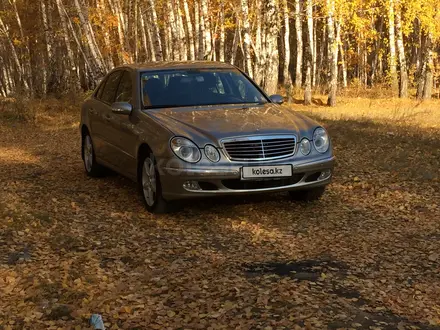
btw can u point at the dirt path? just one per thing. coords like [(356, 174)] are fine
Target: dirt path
[(366, 256)]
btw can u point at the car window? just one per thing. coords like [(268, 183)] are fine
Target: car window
[(125, 90), (179, 88), (111, 87), (98, 93)]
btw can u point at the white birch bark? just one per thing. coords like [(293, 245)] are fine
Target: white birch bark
[(333, 53), (272, 57), (259, 52), (403, 91), (155, 34), (392, 45), (299, 44), (26, 65), (95, 54), (286, 20), (309, 54), (100, 4), (207, 32), (143, 32), (235, 44), (189, 31), (342, 54), (48, 44), (173, 31), (19, 68), (222, 32), (181, 31), (115, 8), (197, 30), (201, 31), (246, 38)]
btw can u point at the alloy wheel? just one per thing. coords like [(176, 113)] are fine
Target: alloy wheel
[(88, 153), (149, 182)]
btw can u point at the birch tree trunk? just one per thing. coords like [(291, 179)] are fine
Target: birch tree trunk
[(272, 58), (48, 42), (207, 30), (71, 68), (259, 53), (246, 37), (333, 54), (202, 41), (26, 65), (287, 79), (144, 39), (155, 32), (235, 44), (403, 91), (429, 67), (190, 33), (197, 30), (15, 57), (309, 53), (392, 42), (299, 44), (222, 32), (121, 33), (181, 32), (107, 43), (342, 53), (172, 25), (95, 55)]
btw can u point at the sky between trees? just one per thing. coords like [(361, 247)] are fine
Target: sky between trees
[(50, 47)]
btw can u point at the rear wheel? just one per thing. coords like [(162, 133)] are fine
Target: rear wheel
[(92, 168), (150, 187), (308, 195)]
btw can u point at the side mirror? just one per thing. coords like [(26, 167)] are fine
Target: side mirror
[(122, 108), (278, 99)]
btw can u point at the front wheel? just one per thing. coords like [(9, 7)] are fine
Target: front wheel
[(151, 189), (308, 195)]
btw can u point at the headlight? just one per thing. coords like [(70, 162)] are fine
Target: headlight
[(305, 147), (321, 140), (185, 150), (212, 153)]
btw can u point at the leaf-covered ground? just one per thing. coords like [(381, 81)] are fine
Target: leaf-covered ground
[(366, 256)]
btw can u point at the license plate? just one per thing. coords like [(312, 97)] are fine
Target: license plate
[(261, 172)]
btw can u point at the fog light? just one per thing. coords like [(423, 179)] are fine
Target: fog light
[(191, 185), (325, 175)]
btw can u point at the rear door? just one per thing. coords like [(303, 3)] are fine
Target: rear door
[(101, 118)]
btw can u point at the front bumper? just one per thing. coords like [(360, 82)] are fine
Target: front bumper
[(226, 180)]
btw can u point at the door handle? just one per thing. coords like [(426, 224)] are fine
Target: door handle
[(107, 117), (93, 111)]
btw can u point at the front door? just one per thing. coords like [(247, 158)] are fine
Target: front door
[(125, 140), (103, 129)]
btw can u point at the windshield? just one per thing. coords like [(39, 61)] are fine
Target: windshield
[(180, 88)]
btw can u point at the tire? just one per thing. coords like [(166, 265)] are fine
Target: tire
[(93, 169), (151, 188), (308, 195)]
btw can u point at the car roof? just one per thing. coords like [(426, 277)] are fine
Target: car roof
[(178, 65)]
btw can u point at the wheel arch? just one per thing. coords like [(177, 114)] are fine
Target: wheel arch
[(144, 150)]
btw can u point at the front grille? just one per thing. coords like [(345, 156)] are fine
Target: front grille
[(260, 148)]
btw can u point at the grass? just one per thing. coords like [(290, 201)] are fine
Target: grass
[(364, 256)]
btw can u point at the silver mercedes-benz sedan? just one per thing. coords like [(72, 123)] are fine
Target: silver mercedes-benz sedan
[(193, 129)]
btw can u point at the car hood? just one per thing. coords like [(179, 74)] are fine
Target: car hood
[(207, 124)]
